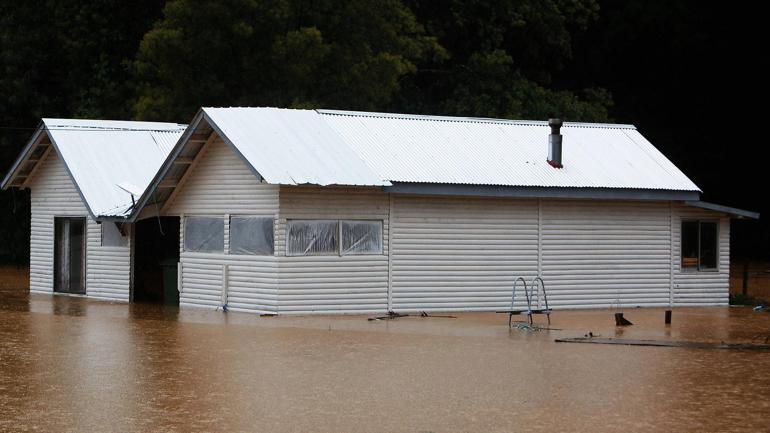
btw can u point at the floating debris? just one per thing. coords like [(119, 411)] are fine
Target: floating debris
[(621, 321), (393, 315), (524, 326), (663, 343)]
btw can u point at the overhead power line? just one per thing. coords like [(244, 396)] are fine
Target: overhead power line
[(89, 128)]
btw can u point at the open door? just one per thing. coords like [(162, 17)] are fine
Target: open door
[(156, 258), (69, 255)]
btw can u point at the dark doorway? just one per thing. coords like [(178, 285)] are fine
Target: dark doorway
[(156, 258), (69, 255)]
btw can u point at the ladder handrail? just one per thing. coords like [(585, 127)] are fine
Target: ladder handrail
[(545, 295), (513, 295), (542, 284), (529, 299)]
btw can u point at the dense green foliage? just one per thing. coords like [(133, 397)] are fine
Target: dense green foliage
[(586, 60), (279, 53), (483, 58)]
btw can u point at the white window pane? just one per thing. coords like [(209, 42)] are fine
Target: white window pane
[(361, 237), (111, 235), (251, 235), (204, 234), (311, 237)]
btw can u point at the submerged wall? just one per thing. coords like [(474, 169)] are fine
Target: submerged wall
[(53, 194), (332, 283), (222, 185), (439, 253)]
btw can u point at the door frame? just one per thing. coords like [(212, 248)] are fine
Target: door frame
[(84, 245)]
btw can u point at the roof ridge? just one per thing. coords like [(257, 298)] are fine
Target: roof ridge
[(461, 119), (110, 125)]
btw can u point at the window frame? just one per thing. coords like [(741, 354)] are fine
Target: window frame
[(230, 232), (289, 221), (224, 234), (381, 224), (338, 251), (699, 267)]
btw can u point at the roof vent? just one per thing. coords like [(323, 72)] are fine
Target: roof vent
[(554, 143)]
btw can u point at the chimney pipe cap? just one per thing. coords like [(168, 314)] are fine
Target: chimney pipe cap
[(555, 125)]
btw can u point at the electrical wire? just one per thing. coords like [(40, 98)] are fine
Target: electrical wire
[(90, 128)]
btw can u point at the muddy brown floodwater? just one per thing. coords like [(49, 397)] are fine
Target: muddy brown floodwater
[(71, 364)]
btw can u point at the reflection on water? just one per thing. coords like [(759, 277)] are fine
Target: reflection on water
[(72, 364)]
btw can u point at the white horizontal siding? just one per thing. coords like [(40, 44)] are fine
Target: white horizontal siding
[(701, 288), (221, 184), (252, 285), (201, 283), (461, 253), (108, 269), (602, 254), (53, 194), (332, 284)]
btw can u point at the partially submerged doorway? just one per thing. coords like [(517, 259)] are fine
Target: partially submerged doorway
[(69, 255), (156, 258)]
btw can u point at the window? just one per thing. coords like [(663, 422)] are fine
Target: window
[(361, 237), (113, 235), (311, 237), (700, 245), (204, 234), (251, 235)]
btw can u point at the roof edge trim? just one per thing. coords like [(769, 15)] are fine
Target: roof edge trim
[(732, 211), (542, 192), (164, 168), (13, 171)]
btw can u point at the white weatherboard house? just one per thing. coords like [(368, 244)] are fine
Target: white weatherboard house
[(84, 176), (311, 211), (282, 211)]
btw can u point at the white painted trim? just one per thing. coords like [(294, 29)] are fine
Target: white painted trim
[(390, 252), (673, 254)]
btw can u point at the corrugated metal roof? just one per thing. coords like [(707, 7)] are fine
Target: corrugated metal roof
[(101, 155), (431, 149), (326, 147), (291, 147)]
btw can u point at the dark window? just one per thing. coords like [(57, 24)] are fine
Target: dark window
[(700, 245), (708, 245), (204, 234), (251, 235), (690, 244)]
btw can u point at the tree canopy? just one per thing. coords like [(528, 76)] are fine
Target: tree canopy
[(480, 57)]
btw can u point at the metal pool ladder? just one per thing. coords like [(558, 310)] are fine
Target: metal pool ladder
[(529, 293)]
